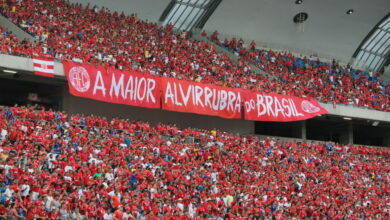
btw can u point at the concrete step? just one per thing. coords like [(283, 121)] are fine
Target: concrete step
[(19, 33)]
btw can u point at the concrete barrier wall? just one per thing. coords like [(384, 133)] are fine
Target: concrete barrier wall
[(356, 112), (72, 104), (386, 74)]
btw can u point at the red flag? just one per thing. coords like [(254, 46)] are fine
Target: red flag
[(43, 66)]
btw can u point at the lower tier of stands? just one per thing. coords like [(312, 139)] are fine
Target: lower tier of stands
[(59, 166)]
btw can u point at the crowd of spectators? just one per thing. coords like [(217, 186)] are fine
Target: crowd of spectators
[(69, 31), (9, 44), (302, 76), (97, 36), (59, 166)]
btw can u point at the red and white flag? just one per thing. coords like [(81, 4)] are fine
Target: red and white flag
[(43, 66)]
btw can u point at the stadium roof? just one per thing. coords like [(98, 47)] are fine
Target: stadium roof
[(373, 52)]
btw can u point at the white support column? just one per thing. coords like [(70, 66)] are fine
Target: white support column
[(386, 141), (303, 131), (350, 132)]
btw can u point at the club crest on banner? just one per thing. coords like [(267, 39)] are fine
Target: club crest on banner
[(309, 107), (44, 66), (79, 78)]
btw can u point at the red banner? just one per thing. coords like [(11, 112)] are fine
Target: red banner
[(124, 87), (205, 99), (275, 107), (111, 85)]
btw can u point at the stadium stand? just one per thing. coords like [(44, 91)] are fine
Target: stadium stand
[(57, 166), (101, 37), (153, 48), (301, 76)]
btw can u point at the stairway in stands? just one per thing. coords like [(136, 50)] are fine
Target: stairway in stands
[(232, 56), (19, 33)]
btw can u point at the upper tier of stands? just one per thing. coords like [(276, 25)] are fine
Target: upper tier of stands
[(58, 166), (301, 76), (88, 35)]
